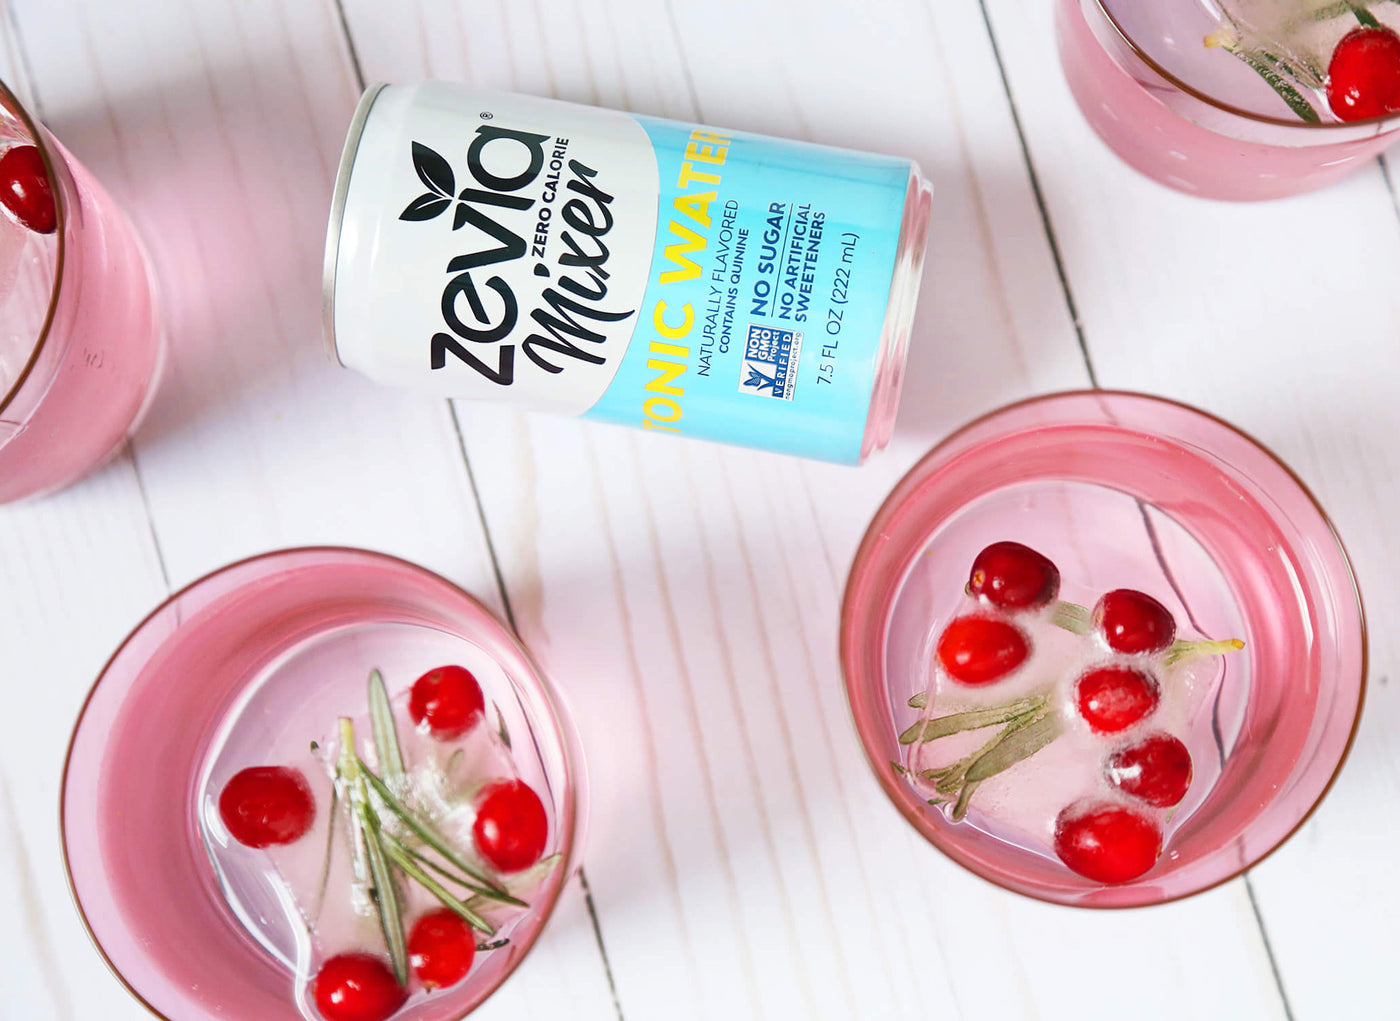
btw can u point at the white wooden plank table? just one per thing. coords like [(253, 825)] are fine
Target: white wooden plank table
[(742, 862)]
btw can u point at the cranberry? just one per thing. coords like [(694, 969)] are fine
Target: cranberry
[(25, 191), (979, 650), (1363, 77), (266, 805), (1156, 769), (356, 987), (1014, 577), (449, 699), (511, 826), (1132, 621), (440, 948), (1113, 698), (1106, 843)]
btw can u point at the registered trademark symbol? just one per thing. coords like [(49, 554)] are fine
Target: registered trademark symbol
[(486, 115)]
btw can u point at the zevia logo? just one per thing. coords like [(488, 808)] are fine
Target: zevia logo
[(517, 185)]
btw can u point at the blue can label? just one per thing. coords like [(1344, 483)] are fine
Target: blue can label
[(770, 279)]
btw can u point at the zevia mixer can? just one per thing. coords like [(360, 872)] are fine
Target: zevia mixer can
[(678, 278)]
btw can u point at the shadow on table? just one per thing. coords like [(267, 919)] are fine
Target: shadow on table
[(227, 176), (992, 326)]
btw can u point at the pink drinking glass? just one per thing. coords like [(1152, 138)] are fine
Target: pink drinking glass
[(1112, 485), (140, 874), (1185, 136), (81, 345)]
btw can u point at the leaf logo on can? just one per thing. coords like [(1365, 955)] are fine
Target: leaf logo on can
[(484, 204)]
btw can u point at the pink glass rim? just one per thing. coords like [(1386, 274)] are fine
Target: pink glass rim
[(52, 163), (1391, 119), (855, 630), (569, 848)]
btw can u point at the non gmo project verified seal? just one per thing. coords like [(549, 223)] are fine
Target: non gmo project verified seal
[(769, 368)]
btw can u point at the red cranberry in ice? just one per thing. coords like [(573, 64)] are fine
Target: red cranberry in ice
[(266, 805), (980, 650), (1363, 77), (449, 699), (1132, 621), (1014, 577), (1113, 698), (1156, 769), (440, 949), (511, 826), (356, 987), (25, 191), (1106, 843)]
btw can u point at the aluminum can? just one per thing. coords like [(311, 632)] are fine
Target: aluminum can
[(674, 277)]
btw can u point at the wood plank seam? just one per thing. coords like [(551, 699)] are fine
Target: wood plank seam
[(351, 53), (40, 933), (1384, 163), (789, 746), (129, 451), (490, 544), (41, 936), (14, 45), (1268, 948), (1089, 366), (1040, 199), (687, 690), (634, 671), (510, 619), (828, 734)]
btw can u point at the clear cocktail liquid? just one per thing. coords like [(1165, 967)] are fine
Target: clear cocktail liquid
[(298, 910), (27, 266), (1100, 539), (1293, 38), (81, 346)]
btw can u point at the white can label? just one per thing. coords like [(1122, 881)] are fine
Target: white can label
[(518, 241)]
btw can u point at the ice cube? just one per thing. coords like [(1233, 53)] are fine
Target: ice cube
[(1303, 33)]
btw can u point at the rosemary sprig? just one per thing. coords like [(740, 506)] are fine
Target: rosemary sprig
[(382, 858), (475, 888), (1304, 71), (1182, 651), (973, 719), (345, 769), (399, 855), (1071, 617), (424, 831), (386, 896), (949, 779), (501, 726), (382, 889), (386, 734), (1078, 619), (1269, 67), (1325, 13), (1030, 724), (330, 846), (1018, 742), (1364, 17)]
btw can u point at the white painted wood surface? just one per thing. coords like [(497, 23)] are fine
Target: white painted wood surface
[(742, 862)]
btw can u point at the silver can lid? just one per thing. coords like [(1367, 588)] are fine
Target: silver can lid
[(342, 187)]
